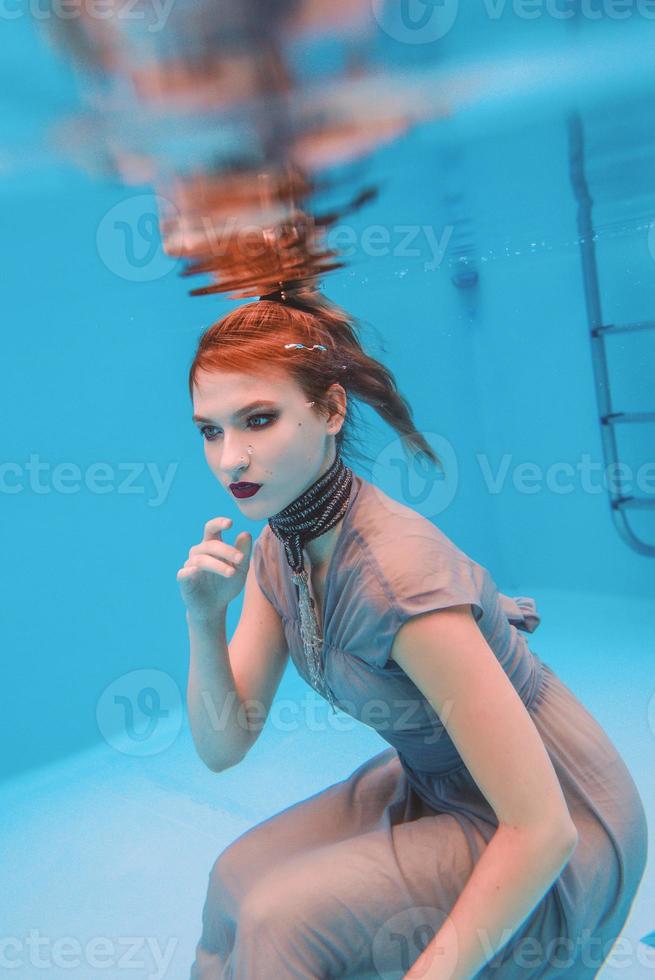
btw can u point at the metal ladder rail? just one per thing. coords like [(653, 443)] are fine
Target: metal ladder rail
[(620, 502)]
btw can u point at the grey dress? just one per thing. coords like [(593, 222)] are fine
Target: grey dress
[(355, 880)]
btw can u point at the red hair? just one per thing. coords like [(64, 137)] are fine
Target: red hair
[(251, 339)]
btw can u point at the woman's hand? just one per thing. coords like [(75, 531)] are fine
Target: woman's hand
[(215, 571)]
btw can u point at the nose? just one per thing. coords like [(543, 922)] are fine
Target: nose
[(234, 459)]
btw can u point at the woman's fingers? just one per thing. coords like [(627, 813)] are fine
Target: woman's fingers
[(218, 549), (214, 527), (201, 560)]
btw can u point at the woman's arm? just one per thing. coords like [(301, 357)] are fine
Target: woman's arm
[(449, 660), (213, 704), (231, 688), (515, 871)]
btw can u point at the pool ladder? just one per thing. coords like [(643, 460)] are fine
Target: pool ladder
[(620, 503)]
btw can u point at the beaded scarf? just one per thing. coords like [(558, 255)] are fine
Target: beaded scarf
[(315, 511)]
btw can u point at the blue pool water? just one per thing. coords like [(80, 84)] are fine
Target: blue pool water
[(481, 312)]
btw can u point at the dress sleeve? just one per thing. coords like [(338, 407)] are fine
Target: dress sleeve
[(259, 551), (423, 575)]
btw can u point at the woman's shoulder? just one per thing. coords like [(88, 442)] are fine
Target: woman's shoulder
[(416, 566), (396, 563), (396, 537)]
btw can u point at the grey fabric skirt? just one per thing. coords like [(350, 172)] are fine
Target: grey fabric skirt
[(355, 880)]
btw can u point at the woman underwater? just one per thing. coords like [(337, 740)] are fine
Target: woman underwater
[(501, 833)]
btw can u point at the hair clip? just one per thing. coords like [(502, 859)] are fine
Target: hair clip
[(320, 346)]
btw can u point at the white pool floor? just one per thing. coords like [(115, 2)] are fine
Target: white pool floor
[(106, 855)]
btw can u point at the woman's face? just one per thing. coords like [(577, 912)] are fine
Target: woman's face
[(291, 445)]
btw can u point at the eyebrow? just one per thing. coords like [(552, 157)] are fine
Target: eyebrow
[(241, 411)]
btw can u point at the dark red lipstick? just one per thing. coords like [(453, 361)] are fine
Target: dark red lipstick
[(244, 489)]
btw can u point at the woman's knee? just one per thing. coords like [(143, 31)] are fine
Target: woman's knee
[(280, 917), (238, 867), (302, 920), (227, 878), (273, 900)]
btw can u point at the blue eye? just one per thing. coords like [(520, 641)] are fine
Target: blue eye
[(270, 418)]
